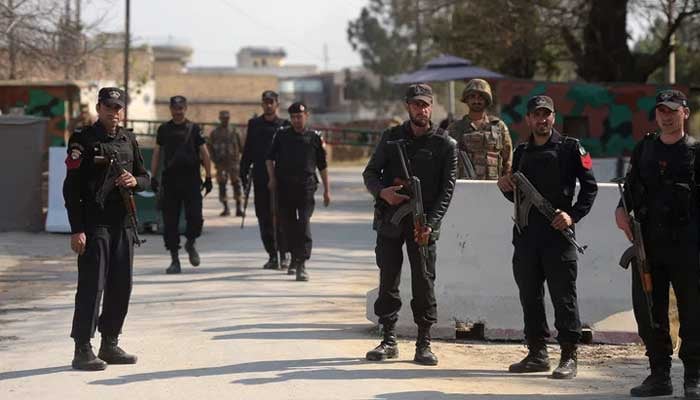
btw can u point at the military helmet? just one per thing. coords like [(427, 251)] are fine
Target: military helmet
[(478, 85)]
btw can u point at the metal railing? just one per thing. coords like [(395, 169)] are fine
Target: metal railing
[(331, 135)]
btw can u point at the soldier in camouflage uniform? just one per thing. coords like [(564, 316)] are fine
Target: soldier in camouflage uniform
[(225, 144), (484, 138)]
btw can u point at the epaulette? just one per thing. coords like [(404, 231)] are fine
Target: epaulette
[(522, 146)]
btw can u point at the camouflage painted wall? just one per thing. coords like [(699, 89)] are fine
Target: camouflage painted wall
[(616, 115), (52, 102)]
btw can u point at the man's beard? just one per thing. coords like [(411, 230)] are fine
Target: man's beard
[(542, 132), (476, 107), (420, 123)]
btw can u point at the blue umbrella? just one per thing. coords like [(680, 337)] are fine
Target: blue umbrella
[(445, 68)]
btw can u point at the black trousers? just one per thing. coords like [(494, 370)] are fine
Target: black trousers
[(263, 212), (176, 196), (676, 264), (105, 268), (296, 205), (544, 255), (389, 254)]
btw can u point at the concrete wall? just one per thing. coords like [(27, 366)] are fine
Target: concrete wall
[(24, 141), (475, 283)]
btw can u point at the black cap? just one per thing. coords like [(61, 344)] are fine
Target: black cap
[(224, 114), (297, 107), (178, 101), (419, 91), (536, 102), (270, 95), (111, 95), (673, 99)]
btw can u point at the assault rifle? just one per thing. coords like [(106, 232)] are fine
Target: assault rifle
[(246, 196), (415, 206), (469, 170), (636, 255), (526, 196), (113, 171)]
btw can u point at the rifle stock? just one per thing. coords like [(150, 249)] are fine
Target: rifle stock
[(248, 184), (114, 170)]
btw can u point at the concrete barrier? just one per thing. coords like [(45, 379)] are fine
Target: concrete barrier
[(475, 282)]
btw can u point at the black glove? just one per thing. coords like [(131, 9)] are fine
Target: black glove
[(155, 185), (207, 186)]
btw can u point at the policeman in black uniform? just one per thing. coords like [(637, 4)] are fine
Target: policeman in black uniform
[(552, 163), (295, 154), (182, 143), (661, 188), (433, 159), (101, 232), (259, 136)]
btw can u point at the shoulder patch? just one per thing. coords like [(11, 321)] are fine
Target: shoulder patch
[(586, 160)]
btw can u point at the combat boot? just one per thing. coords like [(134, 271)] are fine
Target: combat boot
[(691, 382), (388, 348), (424, 355), (239, 210), (85, 360), (272, 262), (192, 252), (302, 276), (656, 384), (111, 353), (284, 261), (293, 267), (174, 267), (226, 211), (567, 368), (536, 360)]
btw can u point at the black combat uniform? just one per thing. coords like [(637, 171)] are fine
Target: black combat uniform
[(542, 253), (433, 159), (181, 181), (260, 133), (661, 187), (107, 263), (297, 156)]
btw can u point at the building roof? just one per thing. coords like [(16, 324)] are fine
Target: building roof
[(260, 51)]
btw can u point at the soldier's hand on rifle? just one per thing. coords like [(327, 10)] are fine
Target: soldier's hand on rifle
[(207, 185), (422, 237), (562, 220), (125, 180), (623, 222), (505, 183), (390, 196), (155, 184), (326, 198), (77, 242)]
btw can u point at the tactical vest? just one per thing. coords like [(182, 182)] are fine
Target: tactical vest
[(484, 149)]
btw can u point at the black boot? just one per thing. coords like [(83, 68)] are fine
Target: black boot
[(226, 211), (192, 252), (302, 276), (656, 384), (424, 355), (293, 267), (284, 261), (239, 210), (387, 348), (111, 353), (536, 360), (85, 360), (272, 262), (174, 267), (567, 368), (691, 382)]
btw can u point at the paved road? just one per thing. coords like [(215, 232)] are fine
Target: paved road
[(229, 329)]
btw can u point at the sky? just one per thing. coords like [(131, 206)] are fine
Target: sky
[(217, 29)]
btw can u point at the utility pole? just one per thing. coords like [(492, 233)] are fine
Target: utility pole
[(127, 45), (419, 37), (672, 43)]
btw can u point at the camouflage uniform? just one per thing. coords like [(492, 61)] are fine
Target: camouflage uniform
[(487, 142), (225, 146)]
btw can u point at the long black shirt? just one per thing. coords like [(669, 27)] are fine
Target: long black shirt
[(259, 137), (84, 177)]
